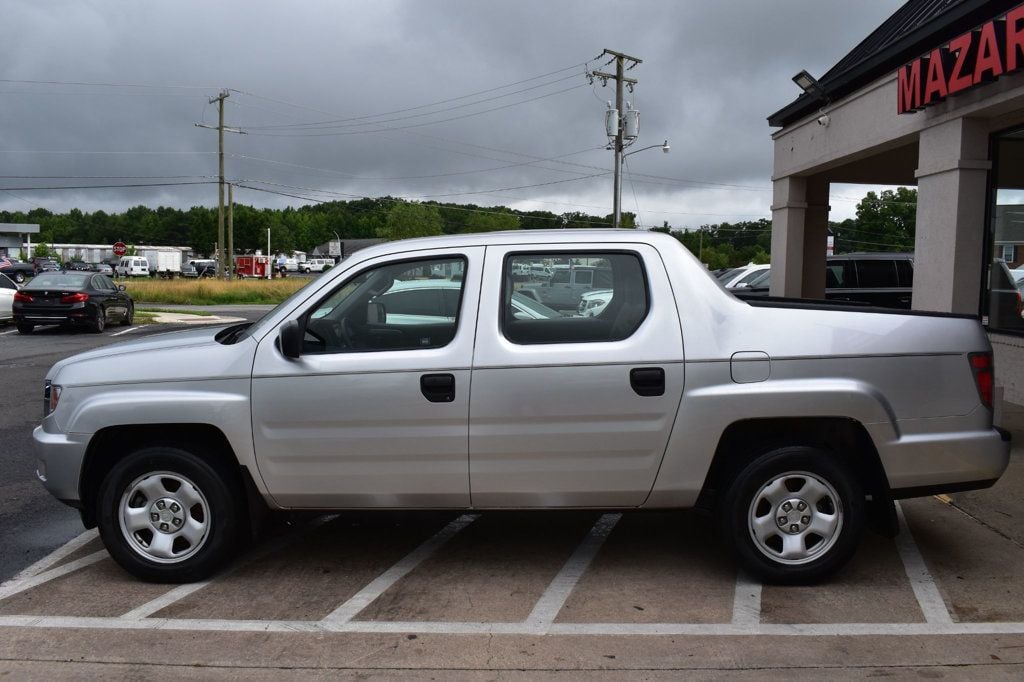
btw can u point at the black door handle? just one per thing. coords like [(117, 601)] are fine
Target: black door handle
[(438, 388), (647, 381)]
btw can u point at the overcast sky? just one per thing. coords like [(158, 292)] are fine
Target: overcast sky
[(412, 98)]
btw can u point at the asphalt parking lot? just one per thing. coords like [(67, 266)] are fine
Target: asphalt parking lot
[(503, 595)]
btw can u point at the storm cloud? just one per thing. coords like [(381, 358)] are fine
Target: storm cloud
[(337, 100)]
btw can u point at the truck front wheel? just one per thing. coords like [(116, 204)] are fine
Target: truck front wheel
[(167, 515), (795, 515)]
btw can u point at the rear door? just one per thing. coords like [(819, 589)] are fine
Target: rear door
[(568, 410)]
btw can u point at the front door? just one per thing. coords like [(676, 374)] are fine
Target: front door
[(375, 411), (569, 410)]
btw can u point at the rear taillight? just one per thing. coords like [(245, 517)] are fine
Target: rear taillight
[(984, 376), (22, 298), (1020, 303), (74, 298)]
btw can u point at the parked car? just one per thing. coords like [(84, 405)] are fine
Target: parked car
[(72, 298), (199, 267), (743, 276), (45, 264), (316, 265), (132, 266), (593, 303), (797, 423), (880, 279), (567, 284), (7, 291), (77, 266), (102, 268), (16, 270)]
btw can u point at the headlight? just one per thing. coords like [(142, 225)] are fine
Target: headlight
[(51, 396)]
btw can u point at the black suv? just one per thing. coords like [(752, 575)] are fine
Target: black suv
[(878, 279)]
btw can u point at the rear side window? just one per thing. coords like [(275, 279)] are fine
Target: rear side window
[(839, 274), (877, 274), (571, 315), (905, 268)]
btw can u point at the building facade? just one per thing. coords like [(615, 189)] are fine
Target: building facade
[(934, 98)]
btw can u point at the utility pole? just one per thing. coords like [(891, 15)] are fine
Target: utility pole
[(231, 230), (219, 99), (621, 81)]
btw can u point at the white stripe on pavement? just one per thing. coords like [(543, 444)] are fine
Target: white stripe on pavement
[(925, 590), (16, 586), (54, 556), (746, 603)]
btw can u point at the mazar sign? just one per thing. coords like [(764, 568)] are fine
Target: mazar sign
[(976, 57)]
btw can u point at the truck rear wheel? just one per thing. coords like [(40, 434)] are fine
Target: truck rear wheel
[(167, 515), (795, 515)]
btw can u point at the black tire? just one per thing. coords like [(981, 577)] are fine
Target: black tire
[(25, 328), (129, 316), (828, 483), (18, 277), (220, 510), (99, 323)]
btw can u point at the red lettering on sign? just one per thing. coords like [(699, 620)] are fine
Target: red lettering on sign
[(961, 47), (989, 63), (935, 83), (908, 97), (1014, 32)]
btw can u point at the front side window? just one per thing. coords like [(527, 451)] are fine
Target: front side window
[(876, 274), (608, 301), (398, 306)]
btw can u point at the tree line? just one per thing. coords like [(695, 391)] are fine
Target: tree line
[(884, 222)]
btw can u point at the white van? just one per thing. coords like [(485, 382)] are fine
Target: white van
[(132, 266), (315, 264)]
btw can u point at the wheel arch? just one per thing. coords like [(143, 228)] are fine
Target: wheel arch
[(744, 440), (112, 444)]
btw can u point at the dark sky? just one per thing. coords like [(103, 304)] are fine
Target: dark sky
[(366, 76)]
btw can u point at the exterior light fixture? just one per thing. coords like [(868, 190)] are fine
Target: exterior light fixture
[(807, 82)]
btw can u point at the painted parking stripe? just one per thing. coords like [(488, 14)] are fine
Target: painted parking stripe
[(15, 586), (6, 333), (56, 555), (925, 590), (361, 599), (573, 629), (551, 602), (182, 591), (746, 605), (125, 331)]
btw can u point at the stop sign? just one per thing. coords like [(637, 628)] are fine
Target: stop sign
[(120, 249)]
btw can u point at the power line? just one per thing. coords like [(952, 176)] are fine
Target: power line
[(419, 125), (414, 108), (127, 185), (75, 151), (103, 177), (109, 85)]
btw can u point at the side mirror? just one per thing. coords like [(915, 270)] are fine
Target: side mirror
[(376, 314), (291, 337), (121, 287)]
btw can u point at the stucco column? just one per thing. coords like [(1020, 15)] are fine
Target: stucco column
[(789, 212), (799, 236), (952, 177)]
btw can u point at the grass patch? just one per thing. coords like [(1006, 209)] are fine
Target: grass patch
[(214, 292), (201, 313)]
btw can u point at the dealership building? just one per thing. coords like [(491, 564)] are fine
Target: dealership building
[(934, 98)]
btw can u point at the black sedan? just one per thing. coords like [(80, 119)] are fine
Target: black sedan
[(72, 298)]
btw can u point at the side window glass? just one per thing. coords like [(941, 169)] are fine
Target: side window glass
[(876, 274), (906, 272), (608, 303), (398, 306)]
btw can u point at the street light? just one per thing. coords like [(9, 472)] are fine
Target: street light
[(617, 216)]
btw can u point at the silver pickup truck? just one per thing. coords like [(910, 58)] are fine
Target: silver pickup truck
[(796, 423)]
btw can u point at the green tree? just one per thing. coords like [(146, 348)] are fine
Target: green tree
[(406, 219), (885, 222)]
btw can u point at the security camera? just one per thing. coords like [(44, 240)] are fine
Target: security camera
[(824, 120)]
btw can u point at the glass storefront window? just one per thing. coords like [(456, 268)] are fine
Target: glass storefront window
[(1004, 305)]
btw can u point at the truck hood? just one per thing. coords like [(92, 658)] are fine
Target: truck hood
[(187, 355)]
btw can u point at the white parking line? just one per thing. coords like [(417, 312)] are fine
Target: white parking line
[(182, 591), (15, 586), (361, 599), (125, 331), (573, 629), (925, 590), (6, 333), (54, 556), (556, 594), (746, 602)]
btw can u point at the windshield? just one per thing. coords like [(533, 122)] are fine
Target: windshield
[(729, 274), (762, 281)]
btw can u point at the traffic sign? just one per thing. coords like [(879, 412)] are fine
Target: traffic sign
[(120, 249)]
